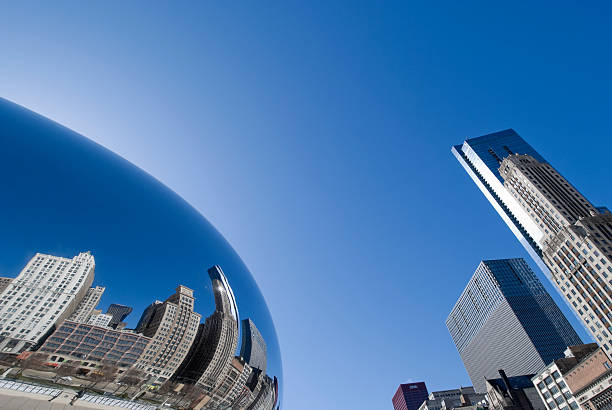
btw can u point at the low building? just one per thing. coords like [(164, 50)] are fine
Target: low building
[(513, 393), (74, 340), (590, 380), (551, 383), (100, 319), (451, 399)]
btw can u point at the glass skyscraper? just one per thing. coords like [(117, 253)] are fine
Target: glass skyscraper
[(481, 158), (505, 319)]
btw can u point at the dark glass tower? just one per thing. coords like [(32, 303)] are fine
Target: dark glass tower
[(118, 312), (505, 319), (253, 346), (410, 396), (481, 158)]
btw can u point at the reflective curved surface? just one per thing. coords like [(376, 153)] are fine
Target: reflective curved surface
[(112, 282)]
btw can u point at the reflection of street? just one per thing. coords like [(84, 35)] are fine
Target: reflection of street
[(23, 396)]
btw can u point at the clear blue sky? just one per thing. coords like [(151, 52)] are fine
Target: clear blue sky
[(316, 137)]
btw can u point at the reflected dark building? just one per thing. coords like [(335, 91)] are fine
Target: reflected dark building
[(118, 313), (253, 346), (211, 356), (172, 327), (64, 194)]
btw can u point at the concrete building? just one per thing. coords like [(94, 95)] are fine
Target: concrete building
[(85, 309), (253, 346), (551, 384), (172, 327), (4, 282), (211, 355), (229, 389), (505, 319), (583, 378), (46, 291), (513, 393), (118, 313), (451, 399), (577, 243), (409, 396), (100, 319), (94, 344)]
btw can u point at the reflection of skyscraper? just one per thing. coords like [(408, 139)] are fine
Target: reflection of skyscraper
[(4, 282), (146, 316), (481, 157), (118, 312), (212, 353), (505, 319), (85, 309), (45, 292), (409, 396), (172, 327), (253, 346)]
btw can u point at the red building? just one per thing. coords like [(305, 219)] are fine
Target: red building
[(410, 396)]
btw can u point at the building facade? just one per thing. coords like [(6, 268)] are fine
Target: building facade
[(513, 393), (410, 396), (118, 313), (211, 355), (505, 319), (577, 246), (93, 343), (100, 319), (551, 383), (481, 158), (85, 309), (253, 346), (172, 327), (450, 399), (46, 291), (4, 282)]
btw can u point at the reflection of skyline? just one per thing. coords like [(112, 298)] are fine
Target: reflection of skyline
[(169, 340)]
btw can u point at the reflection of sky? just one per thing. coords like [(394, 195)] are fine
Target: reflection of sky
[(63, 194)]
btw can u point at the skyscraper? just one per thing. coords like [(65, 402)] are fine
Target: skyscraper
[(172, 327), (85, 309), (253, 346), (118, 312), (481, 158), (212, 353), (505, 319), (409, 396), (576, 243), (45, 292)]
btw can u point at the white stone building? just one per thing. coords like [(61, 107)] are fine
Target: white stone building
[(85, 309), (45, 292)]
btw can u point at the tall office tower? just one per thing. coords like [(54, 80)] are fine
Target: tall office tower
[(85, 309), (45, 292), (409, 396), (211, 355), (481, 157), (505, 319), (146, 316), (577, 243), (118, 312), (266, 395), (172, 327), (4, 282), (253, 346)]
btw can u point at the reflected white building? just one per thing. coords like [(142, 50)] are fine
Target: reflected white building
[(45, 292)]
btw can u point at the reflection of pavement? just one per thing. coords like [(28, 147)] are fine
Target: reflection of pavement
[(17, 400)]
